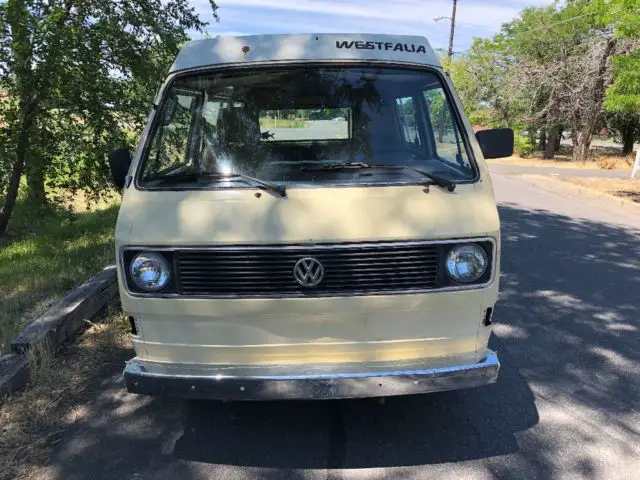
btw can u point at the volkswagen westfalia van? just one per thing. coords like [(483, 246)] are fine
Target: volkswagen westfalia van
[(308, 216)]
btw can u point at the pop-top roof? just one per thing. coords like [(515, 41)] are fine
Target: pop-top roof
[(307, 47)]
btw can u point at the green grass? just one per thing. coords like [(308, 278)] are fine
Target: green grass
[(46, 252)]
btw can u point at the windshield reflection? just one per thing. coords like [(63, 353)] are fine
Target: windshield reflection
[(278, 125)]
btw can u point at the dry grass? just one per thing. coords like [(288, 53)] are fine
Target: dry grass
[(81, 202), (563, 160), (32, 421), (41, 357), (617, 187), (609, 163)]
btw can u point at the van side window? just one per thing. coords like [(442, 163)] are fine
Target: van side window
[(170, 148), (448, 143), (407, 115)]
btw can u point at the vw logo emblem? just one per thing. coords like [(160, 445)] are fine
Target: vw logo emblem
[(308, 272)]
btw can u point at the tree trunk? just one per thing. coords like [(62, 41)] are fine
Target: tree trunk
[(12, 193), (18, 164), (574, 141), (441, 127), (35, 179), (558, 141), (627, 139), (581, 147), (550, 147), (590, 119), (532, 136), (543, 140), (582, 138)]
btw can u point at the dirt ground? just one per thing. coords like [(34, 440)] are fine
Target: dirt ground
[(32, 421), (618, 187), (563, 160)]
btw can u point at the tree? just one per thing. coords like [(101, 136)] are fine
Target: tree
[(78, 75), (626, 126), (546, 70), (565, 58), (622, 100), (484, 79), (589, 100)]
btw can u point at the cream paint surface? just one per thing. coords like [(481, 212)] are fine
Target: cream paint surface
[(272, 49), (308, 215), (441, 351), (309, 330)]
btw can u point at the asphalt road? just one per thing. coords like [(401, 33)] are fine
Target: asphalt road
[(560, 172), (567, 403)]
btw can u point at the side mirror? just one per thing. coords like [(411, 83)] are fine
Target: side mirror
[(496, 143), (119, 162)]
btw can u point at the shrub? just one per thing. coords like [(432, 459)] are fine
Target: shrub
[(523, 146)]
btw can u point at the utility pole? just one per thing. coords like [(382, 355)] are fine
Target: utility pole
[(453, 29), (441, 119)]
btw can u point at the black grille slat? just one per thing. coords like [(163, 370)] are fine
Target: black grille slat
[(287, 271), (347, 270), (327, 280), (294, 255), (327, 258)]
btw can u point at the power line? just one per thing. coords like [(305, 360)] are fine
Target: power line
[(546, 26), (558, 23), (564, 21)]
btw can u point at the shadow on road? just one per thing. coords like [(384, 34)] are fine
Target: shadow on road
[(403, 431), (566, 330), (570, 306)]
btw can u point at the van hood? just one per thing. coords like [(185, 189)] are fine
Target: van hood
[(307, 215)]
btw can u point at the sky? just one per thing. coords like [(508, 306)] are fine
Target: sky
[(474, 18)]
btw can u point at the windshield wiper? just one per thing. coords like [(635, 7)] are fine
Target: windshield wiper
[(337, 166), (279, 190), (436, 179)]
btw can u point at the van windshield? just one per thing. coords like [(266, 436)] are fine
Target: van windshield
[(294, 125)]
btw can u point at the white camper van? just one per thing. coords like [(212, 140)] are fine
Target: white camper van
[(308, 216)]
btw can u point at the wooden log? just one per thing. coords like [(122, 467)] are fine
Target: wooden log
[(14, 372), (65, 319)]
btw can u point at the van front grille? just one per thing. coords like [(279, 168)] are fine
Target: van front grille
[(348, 269)]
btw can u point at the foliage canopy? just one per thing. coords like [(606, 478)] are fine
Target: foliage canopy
[(76, 79), (556, 68)]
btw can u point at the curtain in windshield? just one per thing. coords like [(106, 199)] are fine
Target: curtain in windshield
[(282, 124)]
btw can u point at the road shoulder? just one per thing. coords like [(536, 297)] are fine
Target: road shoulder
[(582, 194)]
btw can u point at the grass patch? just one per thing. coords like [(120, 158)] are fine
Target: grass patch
[(47, 252), (33, 420)]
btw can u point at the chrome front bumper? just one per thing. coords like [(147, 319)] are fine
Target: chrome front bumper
[(318, 382)]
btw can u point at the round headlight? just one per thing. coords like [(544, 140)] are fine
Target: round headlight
[(466, 263), (150, 271)]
